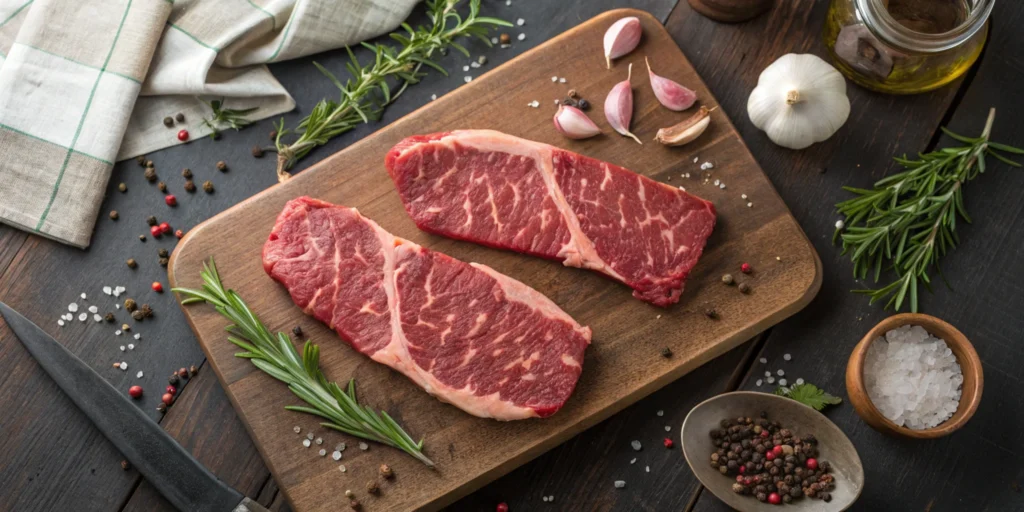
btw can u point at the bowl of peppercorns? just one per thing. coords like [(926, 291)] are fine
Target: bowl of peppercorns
[(757, 452)]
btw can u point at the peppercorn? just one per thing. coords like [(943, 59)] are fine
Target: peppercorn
[(146, 310), (109, 318), (137, 315), (505, 39), (762, 496), (168, 122), (746, 268), (221, 166), (122, 187), (273, 135), (372, 488), (135, 391), (666, 352), (173, 379), (171, 389), (744, 288), (149, 163), (183, 135), (129, 305), (502, 507), (190, 186), (164, 262), (141, 160), (208, 187), (167, 399), (126, 327), (142, 238), (727, 279), (179, 117), (349, 493), (131, 263), (150, 174), (257, 151), (161, 407), (569, 101), (297, 331), (385, 471), (171, 200), (711, 313), (182, 373), (192, 371), (113, 215), (353, 504), (157, 287), (583, 104)]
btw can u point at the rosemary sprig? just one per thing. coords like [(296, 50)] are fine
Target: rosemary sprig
[(907, 222), (367, 92), (277, 357), (226, 118)]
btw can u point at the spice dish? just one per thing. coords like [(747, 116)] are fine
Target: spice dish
[(834, 446), (970, 365)]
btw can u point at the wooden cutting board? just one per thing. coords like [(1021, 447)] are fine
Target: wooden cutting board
[(624, 362)]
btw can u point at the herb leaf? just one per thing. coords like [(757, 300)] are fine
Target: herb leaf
[(809, 395), (364, 96), (907, 222), (276, 356), (223, 118)]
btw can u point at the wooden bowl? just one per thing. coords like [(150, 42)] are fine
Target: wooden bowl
[(834, 446), (970, 364)]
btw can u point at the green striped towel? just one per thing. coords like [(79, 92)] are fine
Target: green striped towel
[(84, 83)]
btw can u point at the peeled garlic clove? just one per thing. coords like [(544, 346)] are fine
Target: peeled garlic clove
[(618, 107), (621, 38), (686, 131), (573, 123), (671, 94)]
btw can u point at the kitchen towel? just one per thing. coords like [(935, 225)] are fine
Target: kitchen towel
[(84, 83)]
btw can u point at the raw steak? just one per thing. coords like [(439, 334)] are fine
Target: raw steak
[(502, 191), (470, 336)]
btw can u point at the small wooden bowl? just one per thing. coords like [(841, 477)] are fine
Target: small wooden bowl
[(835, 448), (970, 364)]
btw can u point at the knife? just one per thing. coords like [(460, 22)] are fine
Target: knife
[(181, 479)]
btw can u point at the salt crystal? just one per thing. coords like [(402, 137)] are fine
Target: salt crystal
[(465, 68), (97, 318), (787, 357), (544, 499), (767, 374), (647, 469), (799, 381), (696, 159), (759, 382), (467, 79), (668, 428), (138, 335), (750, 205), (336, 455), (474, 65), (619, 484), (131, 346), (93, 309), (342, 468), (494, 40), (508, 2), (433, 97), (122, 348), (306, 443), (520, 22), (554, 79), (123, 365), (340, 447), (561, 80), (73, 307), (521, 37), (322, 452), (83, 317), (319, 440), (83, 295), (781, 373), (633, 461), (661, 413), (744, 196), (716, 181), (364, 446), (763, 360), (296, 429), (551, 498), (117, 332), (117, 306), (310, 436), (840, 224), (770, 380), (60, 323), (107, 290), (782, 382), (138, 375), (636, 445)]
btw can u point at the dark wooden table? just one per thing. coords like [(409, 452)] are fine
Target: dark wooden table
[(54, 459)]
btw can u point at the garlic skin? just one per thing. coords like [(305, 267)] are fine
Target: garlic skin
[(670, 94), (621, 38), (618, 106), (799, 100), (574, 124), (686, 131)]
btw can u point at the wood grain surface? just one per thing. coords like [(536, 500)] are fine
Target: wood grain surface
[(623, 364)]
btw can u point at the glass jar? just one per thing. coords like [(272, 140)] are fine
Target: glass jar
[(906, 46)]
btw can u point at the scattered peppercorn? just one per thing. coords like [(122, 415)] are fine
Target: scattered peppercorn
[(192, 371), (179, 117), (109, 318), (146, 310), (583, 104), (137, 315), (162, 252), (746, 268), (173, 379), (182, 373), (744, 288), (666, 352), (179, 233), (505, 39), (273, 135), (385, 471), (131, 263), (208, 187), (135, 391), (156, 231), (183, 135), (167, 399), (190, 186), (257, 151), (297, 331), (151, 220), (162, 186), (711, 313), (157, 287), (727, 279), (142, 238), (125, 465), (171, 200), (150, 164), (502, 507), (221, 166), (165, 227), (168, 122), (113, 215), (573, 94), (164, 261), (129, 305), (126, 327), (122, 187), (667, 442), (171, 389), (150, 174), (161, 407), (372, 488), (141, 160), (481, 60), (353, 504)]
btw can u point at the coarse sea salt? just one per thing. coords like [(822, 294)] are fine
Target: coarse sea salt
[(913, 378)]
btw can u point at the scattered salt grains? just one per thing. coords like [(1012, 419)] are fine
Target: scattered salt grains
[(743, 196), (681, 188), (296, 429), (433, 97), (306, 443), (474, 64), (97, 318), (799, 381), (750, 205), (913, 378), (707, 165), (696, 159), (117, 332), (467, 79), (763, 360), (619, 484), (520, 22), (508, 2), (83, 295), (782, 382), (83, 317), (521, 37), (647, 469), (138, 375), (561, 80), (668, 428), (364, 446), (131, 346), (840, 224), (636, 445), (770, 380), (336, 455), (319, 440), (716, 181), (117, 306), (722, 186), (342, 468), (123, 366), (310, 436), (465, 68), (633, 461), (340, 447), (551, 499), (60, 322), (544, 499), (73, 307), (494, 40), (122, 348), (107, 290), (767, 374), (781, 372), (138, 335), (787, 357), (322, 452), (554, 79), (661, 413), (93, 309), (534, 104), (759, 382)]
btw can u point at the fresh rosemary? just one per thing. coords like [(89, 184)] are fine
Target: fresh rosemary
[(365, 95), (226, 118), (277, 357), (907, 222)]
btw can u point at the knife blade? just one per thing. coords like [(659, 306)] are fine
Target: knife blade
[(181, 479)]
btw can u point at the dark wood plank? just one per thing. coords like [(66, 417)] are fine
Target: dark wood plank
[(11, 241), (945, 474)]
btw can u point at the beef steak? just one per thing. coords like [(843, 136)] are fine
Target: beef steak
[(502, 191), (470, 336)]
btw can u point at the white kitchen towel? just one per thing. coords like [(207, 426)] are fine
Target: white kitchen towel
[(75, 95)]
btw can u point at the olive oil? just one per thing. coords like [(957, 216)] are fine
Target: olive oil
[(864, 54)]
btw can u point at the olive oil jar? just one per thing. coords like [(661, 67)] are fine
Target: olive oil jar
[(906, 46)]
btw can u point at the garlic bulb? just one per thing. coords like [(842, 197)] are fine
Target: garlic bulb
[(799, 100)]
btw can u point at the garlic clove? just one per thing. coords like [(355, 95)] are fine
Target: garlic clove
[(621, 38), (686, 131), (618, 106), (670, 93), (574, 124)]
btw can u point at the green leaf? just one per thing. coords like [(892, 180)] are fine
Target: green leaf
[(809, 395)]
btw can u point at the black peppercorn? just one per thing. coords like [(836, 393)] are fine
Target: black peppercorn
[(150, 164), (151, 220), (190, 186), (141, 160), (164, 262), (723, 470), (297, 331), (173, 379), (386, 471), (109, 318), (583, 104), (221, 166), (761, 496), (208, 187), (179, 117), (666, 352), (168, 122), (727, 279), (162, 252), (711, 313), (186, 173), (353, 504), (162, 186), (122, 187), (744, 288), (257, 152), (146, 310), (161, 407)]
